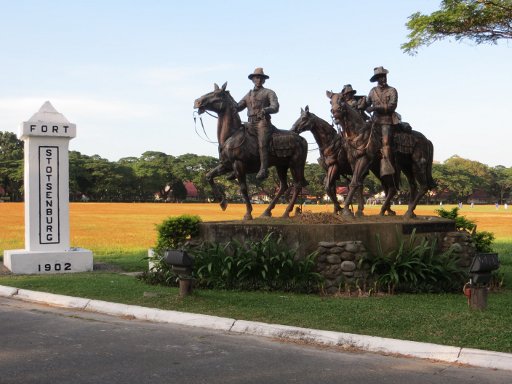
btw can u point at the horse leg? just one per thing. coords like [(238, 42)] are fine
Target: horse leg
[(411, 205), (360, 203), (390, 191), (218, 194), (360, 169), (420, 178), (244, 191), (298, 182), (330, 186), (283, 186)]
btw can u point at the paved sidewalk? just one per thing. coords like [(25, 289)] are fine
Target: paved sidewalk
[(474, 357)]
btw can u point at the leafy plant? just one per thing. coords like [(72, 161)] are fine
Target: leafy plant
[(483, 240), (416, 267), (268, 264)]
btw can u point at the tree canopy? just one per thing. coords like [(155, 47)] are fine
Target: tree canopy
[(159, 174), (481, 21)]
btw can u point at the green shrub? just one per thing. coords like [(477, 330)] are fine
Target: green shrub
[(416, 267), (173, 233), (483, 240)]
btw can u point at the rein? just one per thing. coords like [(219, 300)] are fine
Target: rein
[(208, 140)]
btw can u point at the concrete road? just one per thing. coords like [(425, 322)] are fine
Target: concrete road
[(40, 344)]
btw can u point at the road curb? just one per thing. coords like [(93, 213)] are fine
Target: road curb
[(474, 357), (160, 316), (349, 340), (7, 291), (51, 299), (486, 359)]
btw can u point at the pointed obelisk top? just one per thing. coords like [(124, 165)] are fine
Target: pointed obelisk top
[(47, 113), (48, 122)]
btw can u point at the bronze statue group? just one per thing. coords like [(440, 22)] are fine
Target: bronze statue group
[(372, 138)]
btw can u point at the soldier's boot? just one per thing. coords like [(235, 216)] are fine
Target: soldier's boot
[(386, 167), (263, 172)]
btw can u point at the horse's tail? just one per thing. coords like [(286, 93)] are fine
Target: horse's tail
[(431, 183)]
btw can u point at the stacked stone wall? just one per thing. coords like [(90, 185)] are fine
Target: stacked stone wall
[(341, 264)]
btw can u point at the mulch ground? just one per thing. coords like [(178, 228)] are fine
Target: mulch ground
[(329, 218)]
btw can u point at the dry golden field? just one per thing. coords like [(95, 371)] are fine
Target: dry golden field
[(131, 226)]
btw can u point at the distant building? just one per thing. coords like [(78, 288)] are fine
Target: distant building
[(480, 196), (192, 193)]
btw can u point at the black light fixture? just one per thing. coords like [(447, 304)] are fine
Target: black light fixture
[(482, 265), (181, 263)]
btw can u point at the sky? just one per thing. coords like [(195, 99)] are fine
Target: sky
[(127, 72)]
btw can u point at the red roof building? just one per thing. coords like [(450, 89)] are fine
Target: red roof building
[(191, 190)]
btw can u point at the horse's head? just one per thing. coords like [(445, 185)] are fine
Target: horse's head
[(221, 102), (337, 105), (304, 122), (217, 101), (343, 113)]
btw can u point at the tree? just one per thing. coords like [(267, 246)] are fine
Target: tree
[(11, 165), (503, 181), (154, 174), (481, 21), (191, 167), (461, 177), (80, 180), (315, 175)]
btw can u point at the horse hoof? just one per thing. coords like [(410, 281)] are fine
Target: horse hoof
[(223, 204), (266, 215), (347, 213), (409, 215), (248, 216), (391, 212), (359, 214)]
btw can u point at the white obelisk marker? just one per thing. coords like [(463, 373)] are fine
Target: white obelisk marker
[(47, 246)]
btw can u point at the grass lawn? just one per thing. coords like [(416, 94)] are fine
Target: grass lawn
[(121, 233)]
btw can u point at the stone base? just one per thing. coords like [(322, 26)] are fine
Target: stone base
[(305, 237), (20, 261)]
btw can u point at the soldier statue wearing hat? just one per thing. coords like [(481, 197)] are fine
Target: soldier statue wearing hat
[(260, 103), (348, 94), (382, 102)]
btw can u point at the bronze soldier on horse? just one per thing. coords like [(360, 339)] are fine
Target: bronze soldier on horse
[(239, 151), (382, 102), (260, 103)]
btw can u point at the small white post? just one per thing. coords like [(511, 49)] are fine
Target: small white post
[(47, 246)]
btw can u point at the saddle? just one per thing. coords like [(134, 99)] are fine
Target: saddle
[(403, 140), (282, 143)]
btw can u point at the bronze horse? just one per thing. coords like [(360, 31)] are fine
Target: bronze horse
[(334, 159), (413, 153), (238, 152)]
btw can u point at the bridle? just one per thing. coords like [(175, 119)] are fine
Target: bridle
[(207, 139)]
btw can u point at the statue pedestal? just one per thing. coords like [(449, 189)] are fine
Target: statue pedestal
[(46, 173)]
